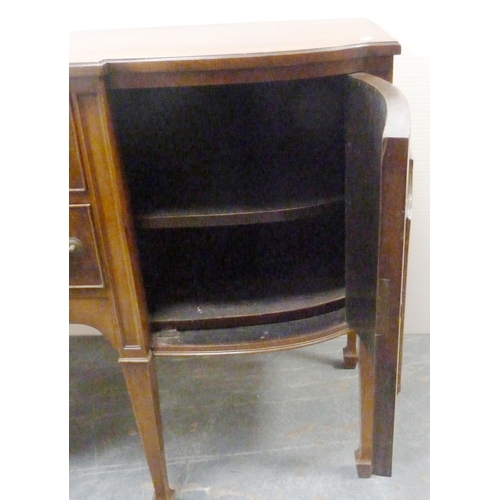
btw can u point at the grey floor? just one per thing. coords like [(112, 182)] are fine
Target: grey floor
[(257, 427)]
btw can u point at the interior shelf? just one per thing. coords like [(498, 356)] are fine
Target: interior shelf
[(252, 303), (242, 275), (203, 217)]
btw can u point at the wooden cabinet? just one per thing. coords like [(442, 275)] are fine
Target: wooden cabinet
[(241, 188)]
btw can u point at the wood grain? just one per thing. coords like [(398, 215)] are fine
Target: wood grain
[(202, 45), (377, 168)]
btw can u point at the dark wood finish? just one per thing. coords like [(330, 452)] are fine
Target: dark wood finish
[(228, 47), (350, 351), (377, 165), (243, 275), (231, 313), (111, 209), (76, 175), (211, 164), (260, 338), (409, 201), (163, 219), (364, 454), (140, 377), (249, 165), (84, 267), (120, 78)]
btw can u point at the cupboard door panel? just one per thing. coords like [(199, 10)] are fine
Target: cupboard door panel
[(377, 165), (377, 178)]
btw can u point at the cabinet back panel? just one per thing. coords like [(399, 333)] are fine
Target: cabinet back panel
[(235, 146)]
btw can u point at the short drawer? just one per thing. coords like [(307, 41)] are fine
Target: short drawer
[(76, 175), (84, 264)]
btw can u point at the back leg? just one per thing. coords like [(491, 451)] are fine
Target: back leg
[(350, 353)]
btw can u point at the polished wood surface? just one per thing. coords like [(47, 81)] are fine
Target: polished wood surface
[(140, 377), (377, 178), (84, 266), (232, 180), (204, 43), (364, 454), (241, 53)]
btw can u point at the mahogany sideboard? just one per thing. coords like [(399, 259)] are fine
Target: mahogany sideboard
[(241, 188)]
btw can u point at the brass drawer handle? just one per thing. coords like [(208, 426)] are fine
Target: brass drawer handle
[(75, 247)]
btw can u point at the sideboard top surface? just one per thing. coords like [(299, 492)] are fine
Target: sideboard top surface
[(230, 41)]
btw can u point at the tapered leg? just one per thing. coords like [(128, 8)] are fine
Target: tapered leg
[(366, 390), (385, 404), (350, 354), (140, 376)]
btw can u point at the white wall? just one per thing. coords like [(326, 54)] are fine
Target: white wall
[(411, 27)]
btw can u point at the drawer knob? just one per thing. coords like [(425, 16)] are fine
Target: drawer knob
[(75, 247)]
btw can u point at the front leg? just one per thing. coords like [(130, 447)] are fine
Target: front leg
[(140, 377)]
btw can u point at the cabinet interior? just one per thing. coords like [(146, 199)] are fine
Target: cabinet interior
[(237, 193)]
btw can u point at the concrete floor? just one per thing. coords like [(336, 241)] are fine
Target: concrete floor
[(280, 426)]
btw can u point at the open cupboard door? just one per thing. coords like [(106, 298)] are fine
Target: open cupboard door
[(378, 183)]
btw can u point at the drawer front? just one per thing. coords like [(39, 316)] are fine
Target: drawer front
[(84, 265)]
